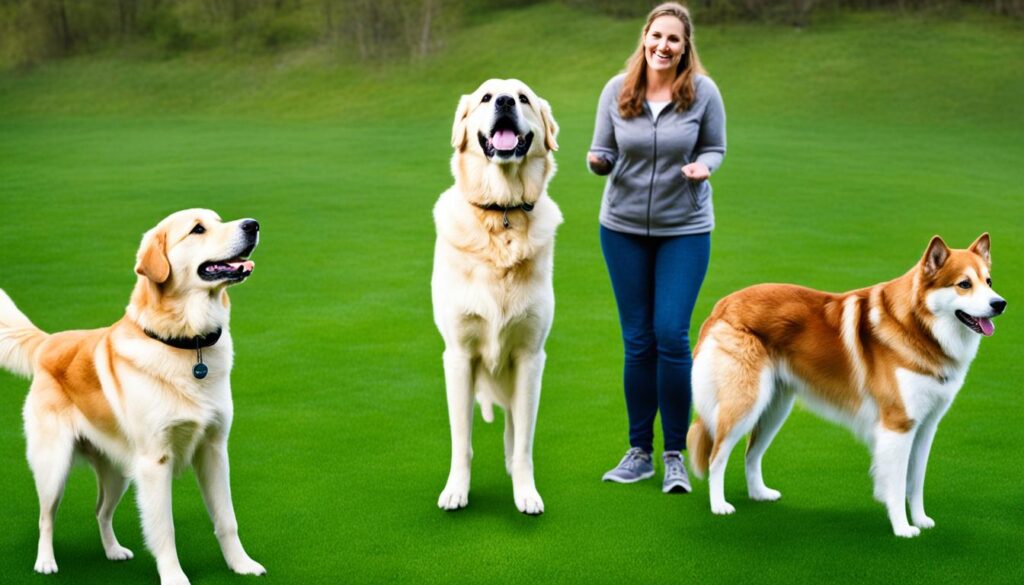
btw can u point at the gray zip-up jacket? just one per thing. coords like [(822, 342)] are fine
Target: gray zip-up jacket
[(646, 192)]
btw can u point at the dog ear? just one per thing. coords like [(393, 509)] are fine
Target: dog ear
[(982, 247), (550, 126), (935, 256), (152, 261), (459, 131)]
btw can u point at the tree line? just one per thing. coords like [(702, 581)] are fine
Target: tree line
[(35, 30)]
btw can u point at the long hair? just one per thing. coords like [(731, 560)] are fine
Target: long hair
[(634, 87)]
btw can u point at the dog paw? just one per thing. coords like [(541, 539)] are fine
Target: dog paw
[(453, 498), (248, 567), (765, 494), (722, 508), (924, 522), (119, 553), (529, 502), (175, 578), (46, 566), (906, 531)]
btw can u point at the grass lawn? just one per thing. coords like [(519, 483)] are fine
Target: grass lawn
[(850, 145)]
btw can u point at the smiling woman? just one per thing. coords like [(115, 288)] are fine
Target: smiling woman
[(660, 132)]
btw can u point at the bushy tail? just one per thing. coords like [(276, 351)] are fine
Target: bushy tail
[(698, 442), (19, 338)]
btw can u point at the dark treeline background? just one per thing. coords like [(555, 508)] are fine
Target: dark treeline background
[(32, 31)]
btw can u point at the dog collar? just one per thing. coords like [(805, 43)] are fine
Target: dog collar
[(505, 209), (197, 343)]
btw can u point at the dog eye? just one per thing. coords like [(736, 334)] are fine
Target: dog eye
[(199, 229), (524, 99), (486, 98), (988, 281), (964, 284)]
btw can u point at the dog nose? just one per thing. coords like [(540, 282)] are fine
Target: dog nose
[(998, 306), (505, 103), (250, 226)]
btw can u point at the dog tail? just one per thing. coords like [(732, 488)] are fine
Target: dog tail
[(19, 338), (698, 442)]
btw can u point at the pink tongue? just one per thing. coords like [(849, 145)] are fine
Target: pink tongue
[(248, 265), (987, 328), (504, 140)]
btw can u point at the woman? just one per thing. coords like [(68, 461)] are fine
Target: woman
[(660, 133)]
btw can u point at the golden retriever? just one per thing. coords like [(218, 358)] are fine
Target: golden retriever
[(147, 396), (491, 286)]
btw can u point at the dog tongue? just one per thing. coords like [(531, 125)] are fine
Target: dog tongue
[(987, 327), (248, 265), (504, 140)]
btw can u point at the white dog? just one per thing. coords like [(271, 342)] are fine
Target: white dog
[(492, 292), (145, 397)]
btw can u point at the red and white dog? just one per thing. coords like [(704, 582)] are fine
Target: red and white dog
[(887, 361)]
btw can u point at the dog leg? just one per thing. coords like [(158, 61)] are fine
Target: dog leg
[(724, 443), (510, 441), (529, 370), (213, 474), (50, 449), (750, 390), (112, 485), (760, 438), (739, 389), (152, 475), (891, 459), (918, 462), (458, 377)]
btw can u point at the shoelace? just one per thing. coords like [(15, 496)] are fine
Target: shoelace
[(634, 458), (674, 467)]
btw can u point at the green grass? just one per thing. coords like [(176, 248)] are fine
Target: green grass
[(850, 144)]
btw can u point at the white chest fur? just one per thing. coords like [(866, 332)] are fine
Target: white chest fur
[(484, 304), (162, 408), (924, 395)]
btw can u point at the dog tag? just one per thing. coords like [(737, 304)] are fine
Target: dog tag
[(199, 371)]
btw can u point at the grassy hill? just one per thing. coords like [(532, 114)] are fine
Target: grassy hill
[(850, 145)]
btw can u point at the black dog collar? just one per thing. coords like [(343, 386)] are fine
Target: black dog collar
[(197, 343), (504, 216)]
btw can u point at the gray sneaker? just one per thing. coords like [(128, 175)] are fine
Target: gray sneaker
[(676, 479), (635, 466)]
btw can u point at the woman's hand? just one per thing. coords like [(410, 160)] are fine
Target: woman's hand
[(598, 164), (696, 171)]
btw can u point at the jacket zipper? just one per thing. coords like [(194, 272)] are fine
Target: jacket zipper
[(654, 171)]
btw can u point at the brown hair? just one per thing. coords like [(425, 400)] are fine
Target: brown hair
[(634, 87)]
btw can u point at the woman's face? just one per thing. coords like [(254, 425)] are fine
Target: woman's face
[(663, 44)]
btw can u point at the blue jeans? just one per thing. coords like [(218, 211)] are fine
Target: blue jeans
[(656, 281)]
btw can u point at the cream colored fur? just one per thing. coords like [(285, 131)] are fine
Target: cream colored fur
[(492, 285), (130, 404)]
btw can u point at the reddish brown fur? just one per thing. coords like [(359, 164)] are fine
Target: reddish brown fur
[(67, 360), (804, 328), (698, 443), (153, 263)]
